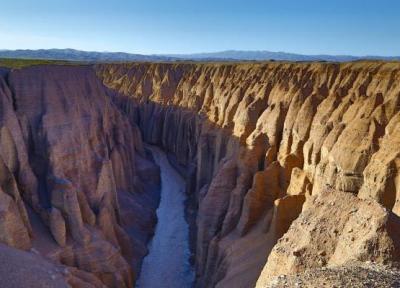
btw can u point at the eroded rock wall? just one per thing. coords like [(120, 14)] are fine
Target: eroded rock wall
[(73, 174), (263, 138)]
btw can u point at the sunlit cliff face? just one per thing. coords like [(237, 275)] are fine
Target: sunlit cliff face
[(259, 146), (264, 137)]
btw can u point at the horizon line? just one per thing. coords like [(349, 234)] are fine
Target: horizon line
[(208, 52)]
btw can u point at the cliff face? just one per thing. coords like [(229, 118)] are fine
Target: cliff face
[(292, 163), (258, 140), (72, 172)]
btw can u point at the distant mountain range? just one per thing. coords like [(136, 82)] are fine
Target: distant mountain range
[(279, 56), (78, 55), (230, 55)]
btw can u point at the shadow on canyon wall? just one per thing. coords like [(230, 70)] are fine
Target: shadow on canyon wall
[(76, 183)]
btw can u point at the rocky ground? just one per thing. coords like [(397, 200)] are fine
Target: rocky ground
[(28, 269), (366, 274)]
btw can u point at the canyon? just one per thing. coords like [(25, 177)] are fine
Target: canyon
[(287, 167)]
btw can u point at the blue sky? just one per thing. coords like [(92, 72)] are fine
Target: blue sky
[(186, 26)]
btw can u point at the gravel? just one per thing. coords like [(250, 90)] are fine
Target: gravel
[(363, 275)]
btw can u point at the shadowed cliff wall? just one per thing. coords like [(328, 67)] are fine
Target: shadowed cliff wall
[(72, 175)]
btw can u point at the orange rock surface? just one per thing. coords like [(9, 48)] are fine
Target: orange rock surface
[(263, 137)]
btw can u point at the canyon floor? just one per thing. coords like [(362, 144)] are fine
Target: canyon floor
[(169, 254)]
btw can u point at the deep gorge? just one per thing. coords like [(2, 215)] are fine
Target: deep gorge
[(259, 144)]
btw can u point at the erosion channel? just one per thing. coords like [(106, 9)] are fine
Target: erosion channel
[(168, 258)]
